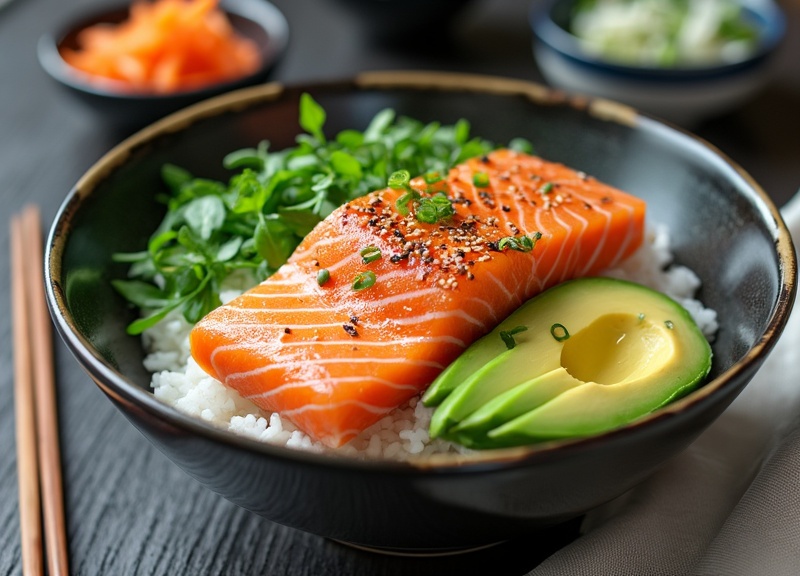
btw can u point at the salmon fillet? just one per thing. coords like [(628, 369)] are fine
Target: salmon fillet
[(334, 360)]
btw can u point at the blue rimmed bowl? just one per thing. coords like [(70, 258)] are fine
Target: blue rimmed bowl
[(685, 95)]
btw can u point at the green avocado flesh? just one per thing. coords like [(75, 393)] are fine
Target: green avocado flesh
[(597, 353)]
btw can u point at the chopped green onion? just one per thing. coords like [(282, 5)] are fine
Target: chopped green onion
[(559, 332), (370, 254), (399, 180), (323, 276), (432, 178), (547, 188), (508, 335), (437, 207), (669, 324), (401, 204), (480, 179), (364, 280)]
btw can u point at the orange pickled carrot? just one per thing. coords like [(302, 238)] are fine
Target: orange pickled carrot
[(165, 46)]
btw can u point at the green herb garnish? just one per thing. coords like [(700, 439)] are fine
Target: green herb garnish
[(429, 209), (508, 336), (323, 276), (519, 243), (251, 224), (364, 280), (435, 208), (432, 177)]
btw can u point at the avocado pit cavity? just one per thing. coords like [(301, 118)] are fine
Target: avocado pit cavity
[(616, 348)]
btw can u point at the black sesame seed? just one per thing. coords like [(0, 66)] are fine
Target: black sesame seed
[(350, 329)]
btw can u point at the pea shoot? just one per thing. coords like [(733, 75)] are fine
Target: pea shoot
[(253, 222), (519, 243)]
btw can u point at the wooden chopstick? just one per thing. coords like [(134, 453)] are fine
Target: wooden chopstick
[(36, 361), (27, 466)]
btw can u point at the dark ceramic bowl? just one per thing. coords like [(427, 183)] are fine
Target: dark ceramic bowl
[(725, 228), (258, 20), (683, 94)]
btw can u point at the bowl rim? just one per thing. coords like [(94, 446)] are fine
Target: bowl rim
[(262, 13), (547, 32), (125, 391)]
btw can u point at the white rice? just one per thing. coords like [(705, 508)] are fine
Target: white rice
[(179, 381)]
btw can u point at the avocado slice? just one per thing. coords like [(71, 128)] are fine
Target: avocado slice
[(472, 431), (598, 353), (481, 352)]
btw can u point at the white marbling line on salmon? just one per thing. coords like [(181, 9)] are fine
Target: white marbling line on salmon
[(342, 307), (323, 361), (444, 339), (335, 406), (294, 384)]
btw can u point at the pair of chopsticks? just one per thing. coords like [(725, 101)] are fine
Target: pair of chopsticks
[(38, 456)]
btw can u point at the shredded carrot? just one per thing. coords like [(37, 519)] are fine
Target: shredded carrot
[(165, 46)]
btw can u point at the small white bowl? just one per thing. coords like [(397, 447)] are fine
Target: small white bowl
[(684, 95)]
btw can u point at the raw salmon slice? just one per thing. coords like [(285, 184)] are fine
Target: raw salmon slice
[(334, 360)]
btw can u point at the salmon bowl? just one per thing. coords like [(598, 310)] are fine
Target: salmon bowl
[(722, 226)]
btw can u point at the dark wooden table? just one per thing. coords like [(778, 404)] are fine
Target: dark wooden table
[(129, 509)]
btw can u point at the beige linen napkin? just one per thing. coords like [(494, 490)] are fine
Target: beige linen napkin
[(728, 505)]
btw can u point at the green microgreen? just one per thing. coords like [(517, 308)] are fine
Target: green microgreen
[(250, 224), (519, 243)]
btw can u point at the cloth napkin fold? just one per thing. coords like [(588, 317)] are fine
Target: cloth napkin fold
[(729, 505)]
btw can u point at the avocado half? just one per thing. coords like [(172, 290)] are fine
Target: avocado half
[(581, 358)]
